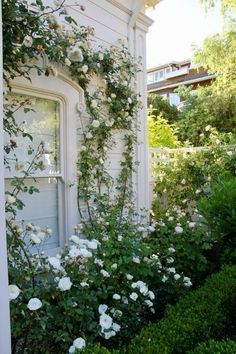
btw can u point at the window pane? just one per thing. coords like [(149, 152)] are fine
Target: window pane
[(41, 209), (42, 122)]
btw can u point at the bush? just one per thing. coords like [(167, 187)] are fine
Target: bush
[(224, 347), (219, 208), (188, 176), (201, 315), (189, 241), (97, 349)]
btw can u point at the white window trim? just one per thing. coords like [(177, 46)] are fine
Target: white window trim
[(54, 88)]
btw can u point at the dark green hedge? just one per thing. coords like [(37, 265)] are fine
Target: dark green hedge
[(203, 314), (215, 347)]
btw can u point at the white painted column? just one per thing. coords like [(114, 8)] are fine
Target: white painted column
[(141, 178), (5, 336)]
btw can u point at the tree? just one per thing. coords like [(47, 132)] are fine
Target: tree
[(160, 132), (214, 105), (161, 107)]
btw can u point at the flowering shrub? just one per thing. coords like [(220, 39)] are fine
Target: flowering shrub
[(204, 314), (99, 287), (183, 181)]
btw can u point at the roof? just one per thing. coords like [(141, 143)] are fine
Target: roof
[(161, 66), (151, 3)]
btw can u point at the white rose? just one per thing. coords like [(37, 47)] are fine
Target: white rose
[(116, 297), (151, 295), (79, 343), (94, 104), (179, 229), (177, 276), (64, 284), (100, 56), (116, 327), (133, 296), (67, 62), (171, 270), (34, 304), (10, 199), (171, 250), (28, 41), (136, 259), (84, 68), (54, 262), (104, 273), (164, 279), (149, 303), (35, 239), (114, 266), (144, 290), (76, 54), (102, 308), (14, 291), (83, 284), (75, 239), (105, 321), (129, 276), (85, 253), (95, 123), (109, 334), (192, 224), (92, 245), (89, 135)]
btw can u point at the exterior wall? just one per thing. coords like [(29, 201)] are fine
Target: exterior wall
[(112, 20)]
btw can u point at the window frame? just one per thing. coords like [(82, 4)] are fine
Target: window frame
[(71, 105)]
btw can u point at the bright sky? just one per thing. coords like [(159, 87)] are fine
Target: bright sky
[(179, 25)]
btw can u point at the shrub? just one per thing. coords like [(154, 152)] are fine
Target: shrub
[(201, 315), (219, 208), (96, 349), (189, 241), (188, 177), (226, 347)]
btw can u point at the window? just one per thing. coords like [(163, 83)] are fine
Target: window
[(168, 70), (161, 74), (44, 124), (53, 120), (156, 76), (150, 78), (174, 99)]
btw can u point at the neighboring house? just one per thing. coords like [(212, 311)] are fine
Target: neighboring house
[(165, 79), (61, 97)]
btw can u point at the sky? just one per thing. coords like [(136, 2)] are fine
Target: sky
[(179, 25)]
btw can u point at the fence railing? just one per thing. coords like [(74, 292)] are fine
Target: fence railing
[(160, 156)]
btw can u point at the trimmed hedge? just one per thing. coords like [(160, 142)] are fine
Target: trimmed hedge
[(216, 347), (96, 349), (198, 317)]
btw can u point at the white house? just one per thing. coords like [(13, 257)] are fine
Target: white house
[(112, 20)]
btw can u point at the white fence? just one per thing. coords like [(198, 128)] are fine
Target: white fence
[(160, 156)]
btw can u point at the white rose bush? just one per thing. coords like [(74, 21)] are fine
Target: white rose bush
[(105, 284)]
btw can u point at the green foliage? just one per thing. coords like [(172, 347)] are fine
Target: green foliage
[(161, 133), (213, 346), (188, 176), (206, 107), (201, 315), (214, 105), (219, 208), (161, 107), (97, 349), (190, 243)]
